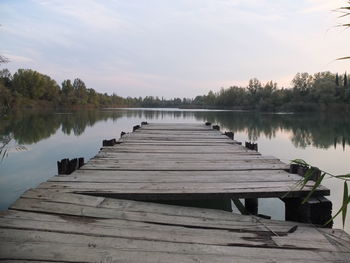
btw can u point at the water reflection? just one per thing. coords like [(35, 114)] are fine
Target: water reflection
[(321, 131)]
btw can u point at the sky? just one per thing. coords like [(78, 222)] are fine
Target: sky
[(170, 48)]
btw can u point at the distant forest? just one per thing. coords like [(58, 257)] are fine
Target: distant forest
[(322, 91)]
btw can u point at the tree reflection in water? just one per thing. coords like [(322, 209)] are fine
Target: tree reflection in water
[(318, 130)]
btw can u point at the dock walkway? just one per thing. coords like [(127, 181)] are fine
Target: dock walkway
[(73, 218), (181, 161)]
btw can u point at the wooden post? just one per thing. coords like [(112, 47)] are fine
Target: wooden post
[(122, 134), (66, 166), (144, 123), (230, 134), (216, 127), (208, 123), (251, 205), (135, 127), (317, 210), (251, 146), (109, 142), (81, 162), (62, 166)]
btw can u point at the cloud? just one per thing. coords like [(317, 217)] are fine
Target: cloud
[(91, 13), (18, 59), (321, 6), (171, 48)]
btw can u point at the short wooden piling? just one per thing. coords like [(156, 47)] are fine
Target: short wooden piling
[(66, 166), (316, 210), (230, 134), (251, 146), (110, 142), (216, 127), (251, 205)]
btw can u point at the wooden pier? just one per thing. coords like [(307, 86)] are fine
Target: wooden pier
[(98, 213)]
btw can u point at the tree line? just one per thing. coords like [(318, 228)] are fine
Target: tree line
[(29, 88), (321, 91)]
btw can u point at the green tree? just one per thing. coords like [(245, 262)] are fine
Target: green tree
[(80, 91), (34, 85)]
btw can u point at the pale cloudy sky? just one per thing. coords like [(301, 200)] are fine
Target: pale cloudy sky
[(172, 48)]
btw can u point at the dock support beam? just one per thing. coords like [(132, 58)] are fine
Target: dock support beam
[(251, 205), (220, 204)]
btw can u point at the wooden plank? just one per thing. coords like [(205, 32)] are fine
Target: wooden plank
[(176, 191), (151, 237), (179, 143), (155, 208), (177, 176), (198, 149), (159, 213), (171, 149), (180, 156), (144, 231), (76, 253), (181, 166), (178, 136)]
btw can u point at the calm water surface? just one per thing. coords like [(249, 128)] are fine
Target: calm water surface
[(44, 138)]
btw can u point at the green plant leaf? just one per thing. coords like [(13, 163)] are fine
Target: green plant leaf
[(317, 183), (345, 202), (340, 210), (307, 177), (343, 176), (300, 162)]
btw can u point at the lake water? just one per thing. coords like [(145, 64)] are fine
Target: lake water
[(38, 140)]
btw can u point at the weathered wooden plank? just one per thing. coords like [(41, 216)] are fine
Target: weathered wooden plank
[(241, 160), (82, 253), (178, 186), (179, 141), (144, 231), (166, 219), (177, 176), (190, 137), (175, 191), (125, 214), (180, 156), (171, 132), (150, 237), (177, 166), (97, 227), (155, 208), (198, 149), (170, 149)]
